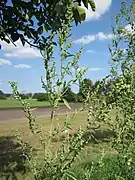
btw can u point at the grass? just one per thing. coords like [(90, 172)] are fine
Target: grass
[(11, 161), (13, 103), (8, 128)]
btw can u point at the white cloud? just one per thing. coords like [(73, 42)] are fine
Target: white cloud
[(24, 53), (95, 69), (1, 82), (102, 36), (85, 39), (19, 51), (102, 6), (83, 68), (22, 66), (10, 47), (5, 62), (91, 51), (90, 38)]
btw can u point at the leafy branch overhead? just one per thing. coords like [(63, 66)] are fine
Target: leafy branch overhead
[(30, 20)]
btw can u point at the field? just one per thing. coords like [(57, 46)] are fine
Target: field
[(11, 160), (12, 103)]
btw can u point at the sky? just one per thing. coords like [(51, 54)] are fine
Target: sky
[(25, 65)]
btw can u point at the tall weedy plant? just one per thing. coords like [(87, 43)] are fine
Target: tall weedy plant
[(56, 164), (52, 164), (122, 90), (119, 100)]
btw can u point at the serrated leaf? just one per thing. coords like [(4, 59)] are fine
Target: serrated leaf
[(92, 4), (66, 103), (82, 13)]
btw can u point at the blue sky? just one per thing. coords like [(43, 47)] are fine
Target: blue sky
[(25, 65)]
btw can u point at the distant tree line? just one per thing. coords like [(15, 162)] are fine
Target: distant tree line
[(39, 96), (68, 94)]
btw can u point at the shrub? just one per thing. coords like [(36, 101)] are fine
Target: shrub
[(24, 96), (40, 96), (2, 97), (69, 95), (79, 97)]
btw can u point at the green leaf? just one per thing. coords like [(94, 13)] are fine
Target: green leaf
[(59, 83), (47, 27), (76, 17), (66, 103), (85, 2), (92, 4), (82, 13), (14, 37), (7, 40), (22, 39), (54, 43), (70, 175), (36, 1), (70, 55), (27, 16), (40, 30), (58, 9)]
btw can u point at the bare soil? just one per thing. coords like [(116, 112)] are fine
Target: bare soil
[(17, 113)]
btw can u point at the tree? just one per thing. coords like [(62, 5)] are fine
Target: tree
[(24, 96), (30, 20), (79, 97), (88, 83), (85, 86), (7, 95), (101, 88), (69, 95), (40, 96), (1, 93), (29, 95)]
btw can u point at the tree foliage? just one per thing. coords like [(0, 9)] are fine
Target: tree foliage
[(31, 20), (40, 96), (2, 95), (85, 86), (69, 95)]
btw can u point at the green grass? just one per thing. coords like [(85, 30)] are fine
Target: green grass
[(13, 103), (11, 154)]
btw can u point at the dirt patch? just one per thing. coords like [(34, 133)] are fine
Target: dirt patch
[(13, 114)]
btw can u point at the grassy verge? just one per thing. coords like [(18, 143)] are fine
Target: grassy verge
[(12, 103)]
